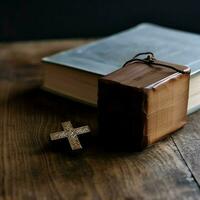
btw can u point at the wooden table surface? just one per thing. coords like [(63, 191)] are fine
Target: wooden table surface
[(31, 167)]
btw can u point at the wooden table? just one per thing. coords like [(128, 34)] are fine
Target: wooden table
[(31, 167)]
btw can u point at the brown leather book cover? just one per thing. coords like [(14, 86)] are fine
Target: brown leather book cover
[(141, 103)]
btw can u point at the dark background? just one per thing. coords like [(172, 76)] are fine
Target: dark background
[(32, 19)]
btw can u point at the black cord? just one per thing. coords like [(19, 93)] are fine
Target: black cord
[(150, 59)]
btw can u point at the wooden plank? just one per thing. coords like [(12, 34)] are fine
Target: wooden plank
[(33, 168), (187, 141), (30, 167)]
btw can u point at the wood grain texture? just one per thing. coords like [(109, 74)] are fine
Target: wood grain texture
[(31, 167), (188, 144)]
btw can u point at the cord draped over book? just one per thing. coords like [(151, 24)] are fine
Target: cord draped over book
[(150, 59)]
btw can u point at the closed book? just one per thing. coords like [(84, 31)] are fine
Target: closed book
[(142, 102), (75, 73)]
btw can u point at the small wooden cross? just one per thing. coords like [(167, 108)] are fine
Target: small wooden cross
[(70, 133)]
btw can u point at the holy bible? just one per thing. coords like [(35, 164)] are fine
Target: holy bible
[(142, 102), (74, 73)]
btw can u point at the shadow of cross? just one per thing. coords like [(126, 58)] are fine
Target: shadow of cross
[(71, 134)]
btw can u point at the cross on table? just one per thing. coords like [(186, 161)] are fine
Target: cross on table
[(70, 133)]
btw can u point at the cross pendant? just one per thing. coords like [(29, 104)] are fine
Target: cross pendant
[(71, 134)]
